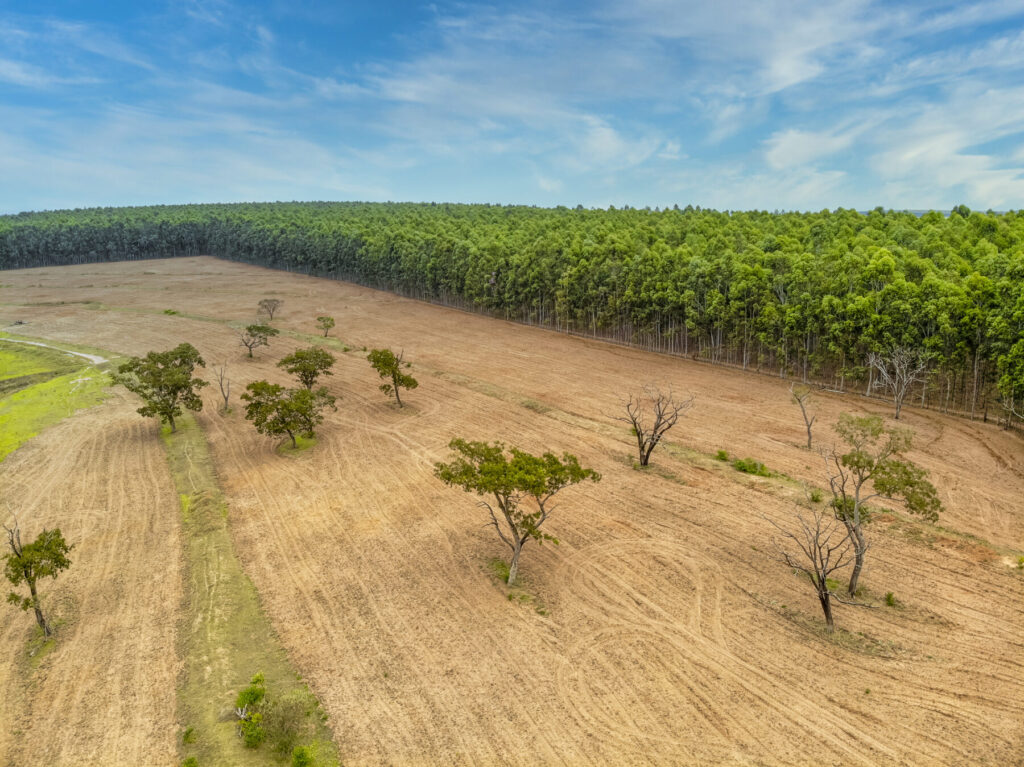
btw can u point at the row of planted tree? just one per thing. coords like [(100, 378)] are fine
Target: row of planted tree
[(815, 296)]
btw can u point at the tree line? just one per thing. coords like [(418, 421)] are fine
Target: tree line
[(818, 297)]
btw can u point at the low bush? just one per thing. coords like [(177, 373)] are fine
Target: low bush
[(750, 466), (302, 756), (721, 455)]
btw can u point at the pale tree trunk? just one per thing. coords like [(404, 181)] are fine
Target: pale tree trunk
[(513, 567), (859, 550)]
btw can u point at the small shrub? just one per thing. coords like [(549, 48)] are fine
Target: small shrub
[(302, 756), (190, 762), (252, 731), (253, 695), (816, 496), (189, 736), (721, 455), (169, 311), (750, 466), (1020, 563), (285, 720), (890, 599)]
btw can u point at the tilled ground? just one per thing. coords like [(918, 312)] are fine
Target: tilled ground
[(660, 631)]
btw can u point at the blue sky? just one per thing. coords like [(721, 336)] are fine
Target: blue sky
[(732, 104)]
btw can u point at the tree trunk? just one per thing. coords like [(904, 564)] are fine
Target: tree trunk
[(294, 443), (398, 398), (39, 611), (859, 549), (513, 567), (170, 419), (826, 607)]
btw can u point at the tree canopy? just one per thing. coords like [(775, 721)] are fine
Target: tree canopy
[(485, 469), (389, 365), (809, 295), (45, 557), (308, 365), (165, 382), (275, 410)]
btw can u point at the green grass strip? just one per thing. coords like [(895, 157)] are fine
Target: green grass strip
[(226, 637), (26, 412)]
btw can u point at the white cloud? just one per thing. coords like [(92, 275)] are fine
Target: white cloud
[(30, 76)]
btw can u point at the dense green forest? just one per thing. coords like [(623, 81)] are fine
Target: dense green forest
[(804, 295)]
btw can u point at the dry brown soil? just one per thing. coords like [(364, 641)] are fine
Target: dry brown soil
[(660, 631)]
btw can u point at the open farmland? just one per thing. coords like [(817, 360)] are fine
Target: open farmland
[(661, 629)]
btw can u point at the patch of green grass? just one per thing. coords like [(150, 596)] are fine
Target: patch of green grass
[(750, 466), (170, 311), (225, 634), (890, 599), (301, 444), (18, 360), (722, 455), (499, 569), (28, 411)]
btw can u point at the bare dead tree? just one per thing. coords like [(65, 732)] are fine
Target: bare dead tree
[(651, 415), (802, 396), (225, 383), (1009, 404), (268, 306), (897, 371), (823, 547)]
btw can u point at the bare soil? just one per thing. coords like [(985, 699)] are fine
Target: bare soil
[(660, 631)]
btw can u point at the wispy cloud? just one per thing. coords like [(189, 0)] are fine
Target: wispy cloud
[(765, 103)]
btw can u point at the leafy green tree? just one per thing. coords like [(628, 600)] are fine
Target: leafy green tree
[(512, 481), (308, 365), (874, 467), (325, 324), (45, 557), (165, 382), (275, 410), (388, 365), (257, 335)]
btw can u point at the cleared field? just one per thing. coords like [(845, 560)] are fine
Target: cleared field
[(659, 631), (103, 693)]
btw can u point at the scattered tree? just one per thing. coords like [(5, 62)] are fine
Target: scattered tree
[(875, 456), (325, 324), (45, 557), (824, 547), (802, 396), (665, 410), (275, 410), (164, 381), (388, 365), (486, 470), (269, 306), (257, 335), (308, 365), (897, 371), (224, 382)]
